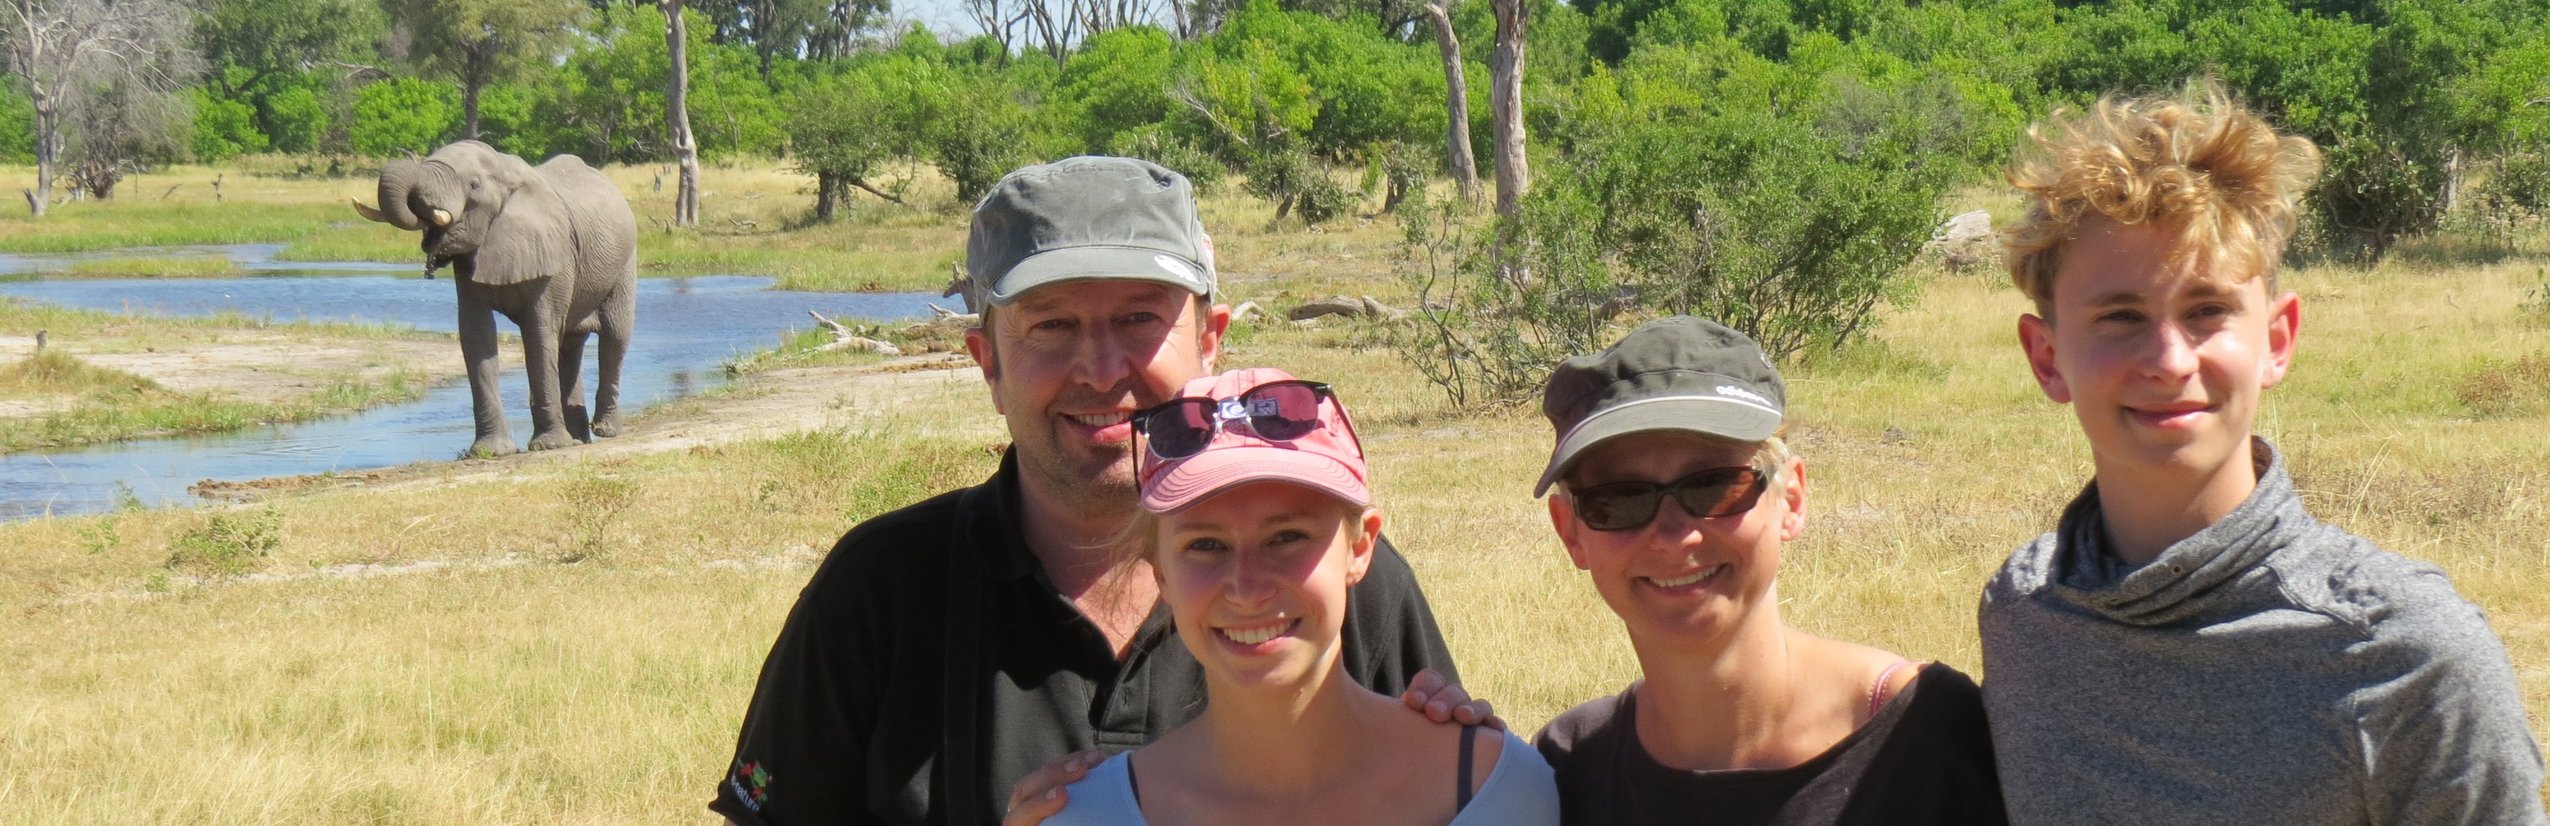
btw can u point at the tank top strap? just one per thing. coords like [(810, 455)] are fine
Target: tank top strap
[(1878, 693)]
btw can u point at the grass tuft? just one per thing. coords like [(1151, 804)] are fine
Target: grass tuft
[(2501, 389), (228, 544)]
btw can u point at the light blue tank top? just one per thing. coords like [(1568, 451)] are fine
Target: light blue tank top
[(1520, 791)]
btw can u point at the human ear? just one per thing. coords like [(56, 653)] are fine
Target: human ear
[(1209, 327), (1562, 518), (2036, 338), (1367, 537), (978, 343), (1793, 501), (2284, 325)]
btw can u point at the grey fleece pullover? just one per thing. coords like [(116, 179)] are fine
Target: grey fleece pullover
[(2271, 669)]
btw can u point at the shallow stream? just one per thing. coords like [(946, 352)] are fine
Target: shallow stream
[(687, 328)]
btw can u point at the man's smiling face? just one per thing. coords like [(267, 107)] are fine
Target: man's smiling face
[(1069, 362)]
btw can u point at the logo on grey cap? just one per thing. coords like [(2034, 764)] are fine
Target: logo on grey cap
[(1177, 268)]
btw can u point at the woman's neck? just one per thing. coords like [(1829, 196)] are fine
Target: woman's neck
[(1286, 742), (1724, 706)]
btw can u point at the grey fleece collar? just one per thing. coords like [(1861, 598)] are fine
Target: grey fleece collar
[(2178, 583)]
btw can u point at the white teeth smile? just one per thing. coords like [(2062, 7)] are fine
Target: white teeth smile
[(1253, 636), (1099, 419), (1694, 576)]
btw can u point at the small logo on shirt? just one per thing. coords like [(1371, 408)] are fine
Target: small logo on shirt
[(750, 783)]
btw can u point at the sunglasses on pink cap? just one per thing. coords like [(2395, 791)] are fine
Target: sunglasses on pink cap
[(1277, 411)]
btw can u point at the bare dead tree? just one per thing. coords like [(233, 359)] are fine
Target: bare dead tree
[(63, 49), (1456, 149), (998, 19), (1505, 103), (677, 113)]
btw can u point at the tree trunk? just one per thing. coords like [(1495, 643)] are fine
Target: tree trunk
[(827, 196), (1505, 103), (48, 149), (1456, 149), (469, 108), (677, 114)]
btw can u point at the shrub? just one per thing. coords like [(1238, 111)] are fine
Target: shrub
[(229, 544), (224, 128), (1793, 225), (1157, 144), (294, 120), (593, 500)]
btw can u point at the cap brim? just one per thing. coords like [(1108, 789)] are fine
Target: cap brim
[(1083, 263), (1706, 415), (1199, 477)]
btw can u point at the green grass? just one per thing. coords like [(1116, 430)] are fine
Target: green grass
[(110, 406), (167, 266)]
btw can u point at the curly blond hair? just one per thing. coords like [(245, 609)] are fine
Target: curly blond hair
[(2200, 164)]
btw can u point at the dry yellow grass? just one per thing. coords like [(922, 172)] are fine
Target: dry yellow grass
[(406, 658)]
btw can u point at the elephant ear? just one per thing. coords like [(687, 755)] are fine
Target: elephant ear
[(530, 237)]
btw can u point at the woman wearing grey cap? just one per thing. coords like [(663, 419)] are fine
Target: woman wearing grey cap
[(1675, 494)]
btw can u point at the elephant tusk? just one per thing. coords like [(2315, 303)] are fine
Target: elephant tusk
[(367, 211), (442, 219)]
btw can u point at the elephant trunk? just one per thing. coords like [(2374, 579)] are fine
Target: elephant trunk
[(399, 181)]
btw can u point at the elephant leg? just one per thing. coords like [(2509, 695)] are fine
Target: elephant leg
[(571, 383), (618, 314), (540, 336), (478, 355)]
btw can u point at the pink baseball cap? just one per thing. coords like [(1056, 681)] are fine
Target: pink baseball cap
[(1327, 458)]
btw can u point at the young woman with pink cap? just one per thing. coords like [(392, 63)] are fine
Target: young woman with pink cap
[(1257, 515)]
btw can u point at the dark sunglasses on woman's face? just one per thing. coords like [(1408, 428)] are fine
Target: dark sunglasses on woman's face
[(1278, 411), (1623, 506)]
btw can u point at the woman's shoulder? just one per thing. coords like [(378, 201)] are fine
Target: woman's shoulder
[(1520, 791), (1588, 721), (1102, 798)]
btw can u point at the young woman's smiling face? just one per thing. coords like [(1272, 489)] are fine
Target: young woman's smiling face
[(1256, 579)]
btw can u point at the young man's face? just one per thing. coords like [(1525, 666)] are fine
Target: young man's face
[(1069, 362), (2162, 360), (1681, 581)]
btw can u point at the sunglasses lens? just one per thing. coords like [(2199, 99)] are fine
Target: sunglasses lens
[(1179, 429), (1720, 492), (1618, 507), (1623, 506), (1283, 412)]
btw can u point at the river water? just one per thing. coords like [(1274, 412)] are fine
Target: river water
[(687, 328)]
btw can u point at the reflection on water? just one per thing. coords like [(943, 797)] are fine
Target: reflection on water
[(686, 329)]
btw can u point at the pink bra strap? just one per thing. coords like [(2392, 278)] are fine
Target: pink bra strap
[(1877, 693)]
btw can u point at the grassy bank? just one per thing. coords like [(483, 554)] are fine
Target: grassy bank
[(393, 654), (98, 405), (755, 219), (106, 377)]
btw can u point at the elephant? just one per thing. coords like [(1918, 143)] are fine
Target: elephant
[(554, 248)]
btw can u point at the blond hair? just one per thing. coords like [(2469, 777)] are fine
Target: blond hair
[(2199, 164)]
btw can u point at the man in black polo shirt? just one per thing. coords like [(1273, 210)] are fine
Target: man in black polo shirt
[(946, 650)]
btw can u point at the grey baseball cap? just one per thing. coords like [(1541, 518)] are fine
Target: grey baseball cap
[(1677, 373), (1082, 218)]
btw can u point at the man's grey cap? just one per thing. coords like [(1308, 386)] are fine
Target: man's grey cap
[(1677, 373), (1081, 218)]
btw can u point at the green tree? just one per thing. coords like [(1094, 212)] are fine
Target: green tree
[(845, 127), (476, 43), (402, 115), (224, 127)]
